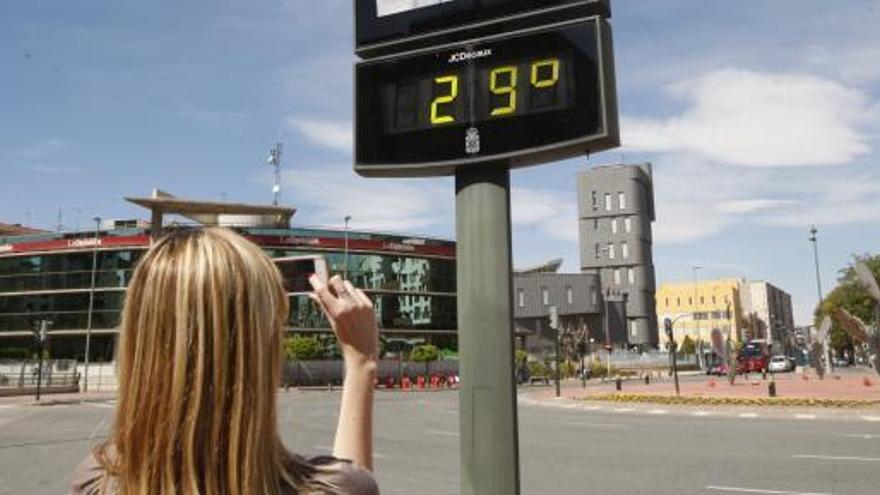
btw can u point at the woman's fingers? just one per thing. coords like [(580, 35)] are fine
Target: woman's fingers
[(358, 294), (338, 286), (328, 302)]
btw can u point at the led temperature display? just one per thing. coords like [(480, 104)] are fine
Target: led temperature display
[(518, 98)]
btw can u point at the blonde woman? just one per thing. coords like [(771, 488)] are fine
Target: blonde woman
[(199, 370)]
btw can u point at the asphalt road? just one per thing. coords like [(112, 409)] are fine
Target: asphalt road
[(612, 450)]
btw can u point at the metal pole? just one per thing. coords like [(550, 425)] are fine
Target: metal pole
[(558, 335), (583, 363), (607, 333), (43, 332), (696, 293), (345, 266), (91, 304), (814, 240), (487, 395), (675, 368)]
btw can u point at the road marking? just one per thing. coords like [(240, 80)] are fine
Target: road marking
[(702, 413), (443, 433), (866, 436), (103, 405), (804, 416), (836, 458), (658, 411), (98, 427), (593, 425), (871, 418), (592, 408), (748, 415), (758, 490), (624, 409), (7, 406)]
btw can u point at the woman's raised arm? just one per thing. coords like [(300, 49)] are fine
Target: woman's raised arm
[(351, 315)]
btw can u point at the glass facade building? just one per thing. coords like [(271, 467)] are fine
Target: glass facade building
[(48, 276)]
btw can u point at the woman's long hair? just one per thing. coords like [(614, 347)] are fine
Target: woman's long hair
[(199, 368)]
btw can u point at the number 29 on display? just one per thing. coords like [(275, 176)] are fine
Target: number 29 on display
[(544, 74)]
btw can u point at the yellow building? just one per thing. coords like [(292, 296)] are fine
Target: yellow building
[(699, 307)]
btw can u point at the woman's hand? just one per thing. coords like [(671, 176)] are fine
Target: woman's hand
[(351, 315)]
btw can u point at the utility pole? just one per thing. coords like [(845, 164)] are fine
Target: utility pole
[(815, 241), (667, 324), (91, 303), (275, 161)]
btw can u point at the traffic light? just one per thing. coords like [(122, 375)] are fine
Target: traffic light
[(667, 325)]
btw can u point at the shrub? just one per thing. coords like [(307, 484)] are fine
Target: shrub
[(537, 368), (567, 369), (599, 369), (425, 353), (14, 353), (302, 347)]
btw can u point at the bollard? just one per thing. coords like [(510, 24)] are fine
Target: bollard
[(618, 384), (772, 389), (647, 379)]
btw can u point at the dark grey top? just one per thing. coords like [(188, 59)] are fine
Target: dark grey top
[(345, 478)]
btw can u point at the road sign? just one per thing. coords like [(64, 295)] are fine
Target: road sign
[(515, 99)]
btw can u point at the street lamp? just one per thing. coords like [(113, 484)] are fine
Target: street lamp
[(813, 239), (97, 221), (345, 266)]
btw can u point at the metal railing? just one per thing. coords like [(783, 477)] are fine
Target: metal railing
[(61, 373)]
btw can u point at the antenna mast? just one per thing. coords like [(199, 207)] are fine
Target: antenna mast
[(275, 161)]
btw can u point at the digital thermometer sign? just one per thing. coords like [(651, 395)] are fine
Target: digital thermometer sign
[(517, 99)]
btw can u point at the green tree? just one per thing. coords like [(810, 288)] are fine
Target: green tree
[(521, 357), (851, 296), (688, 346), (303, 347)]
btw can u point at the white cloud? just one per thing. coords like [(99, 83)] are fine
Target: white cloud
[(552, 212), (697, 199), (753, 205), (334, 135), (393, 205), (748, 118)]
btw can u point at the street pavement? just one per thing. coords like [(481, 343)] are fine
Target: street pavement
[(565, 448)]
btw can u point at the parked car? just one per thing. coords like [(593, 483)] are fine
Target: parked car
[(779, 364), (839, 362)]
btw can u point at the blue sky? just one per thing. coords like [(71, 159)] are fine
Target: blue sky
[(760, 118)]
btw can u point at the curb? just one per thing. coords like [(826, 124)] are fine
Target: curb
[(731, 401)]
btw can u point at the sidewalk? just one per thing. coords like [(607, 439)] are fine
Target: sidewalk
[(852, 384), (52, 399)]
